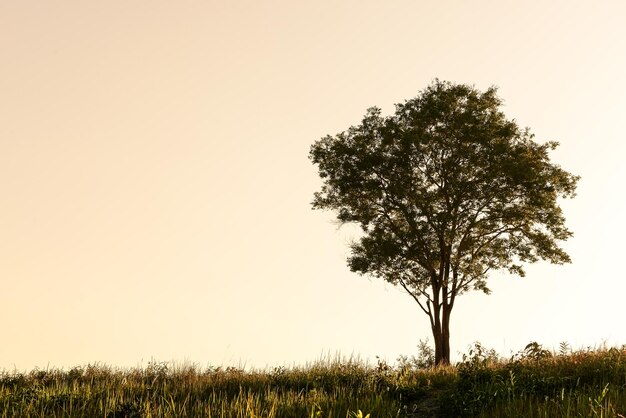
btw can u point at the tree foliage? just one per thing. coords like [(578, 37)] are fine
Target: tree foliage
[(445, 190)]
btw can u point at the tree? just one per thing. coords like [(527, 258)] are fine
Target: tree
[(445, 191)]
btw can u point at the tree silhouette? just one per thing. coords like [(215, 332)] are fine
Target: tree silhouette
[(445, 190)]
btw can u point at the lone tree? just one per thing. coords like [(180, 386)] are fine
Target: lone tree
[(445, 190)]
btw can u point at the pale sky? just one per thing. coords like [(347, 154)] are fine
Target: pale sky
[(155, 185)]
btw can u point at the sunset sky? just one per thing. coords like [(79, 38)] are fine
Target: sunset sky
[(155, 185)]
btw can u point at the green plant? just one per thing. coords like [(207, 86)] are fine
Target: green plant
[(424, 359), (584, 383)]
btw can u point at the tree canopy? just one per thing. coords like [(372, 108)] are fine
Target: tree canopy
[(445, 190)]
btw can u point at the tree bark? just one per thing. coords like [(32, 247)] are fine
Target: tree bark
[(437, 337), (445, 325), (441, 336)]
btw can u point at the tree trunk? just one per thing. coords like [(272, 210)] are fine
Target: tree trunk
[(441, 336), (445, 330), (437, 337)]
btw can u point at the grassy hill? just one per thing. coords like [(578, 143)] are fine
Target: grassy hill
[(533, 383)]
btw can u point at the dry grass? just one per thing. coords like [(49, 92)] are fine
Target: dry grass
[(534, 383)]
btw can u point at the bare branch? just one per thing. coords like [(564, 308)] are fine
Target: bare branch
[(427, 312)]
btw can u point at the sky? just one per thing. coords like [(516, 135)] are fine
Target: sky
[(155, 185)]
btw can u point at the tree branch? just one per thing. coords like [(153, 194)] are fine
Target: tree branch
[(427, 312)]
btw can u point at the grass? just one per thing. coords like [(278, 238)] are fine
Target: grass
[(538, 383), (534, 383)]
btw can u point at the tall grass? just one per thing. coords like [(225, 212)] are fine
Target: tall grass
[(534, 383), (324, 389), (538, 383)]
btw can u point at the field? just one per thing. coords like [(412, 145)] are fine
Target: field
[(533, 383)]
